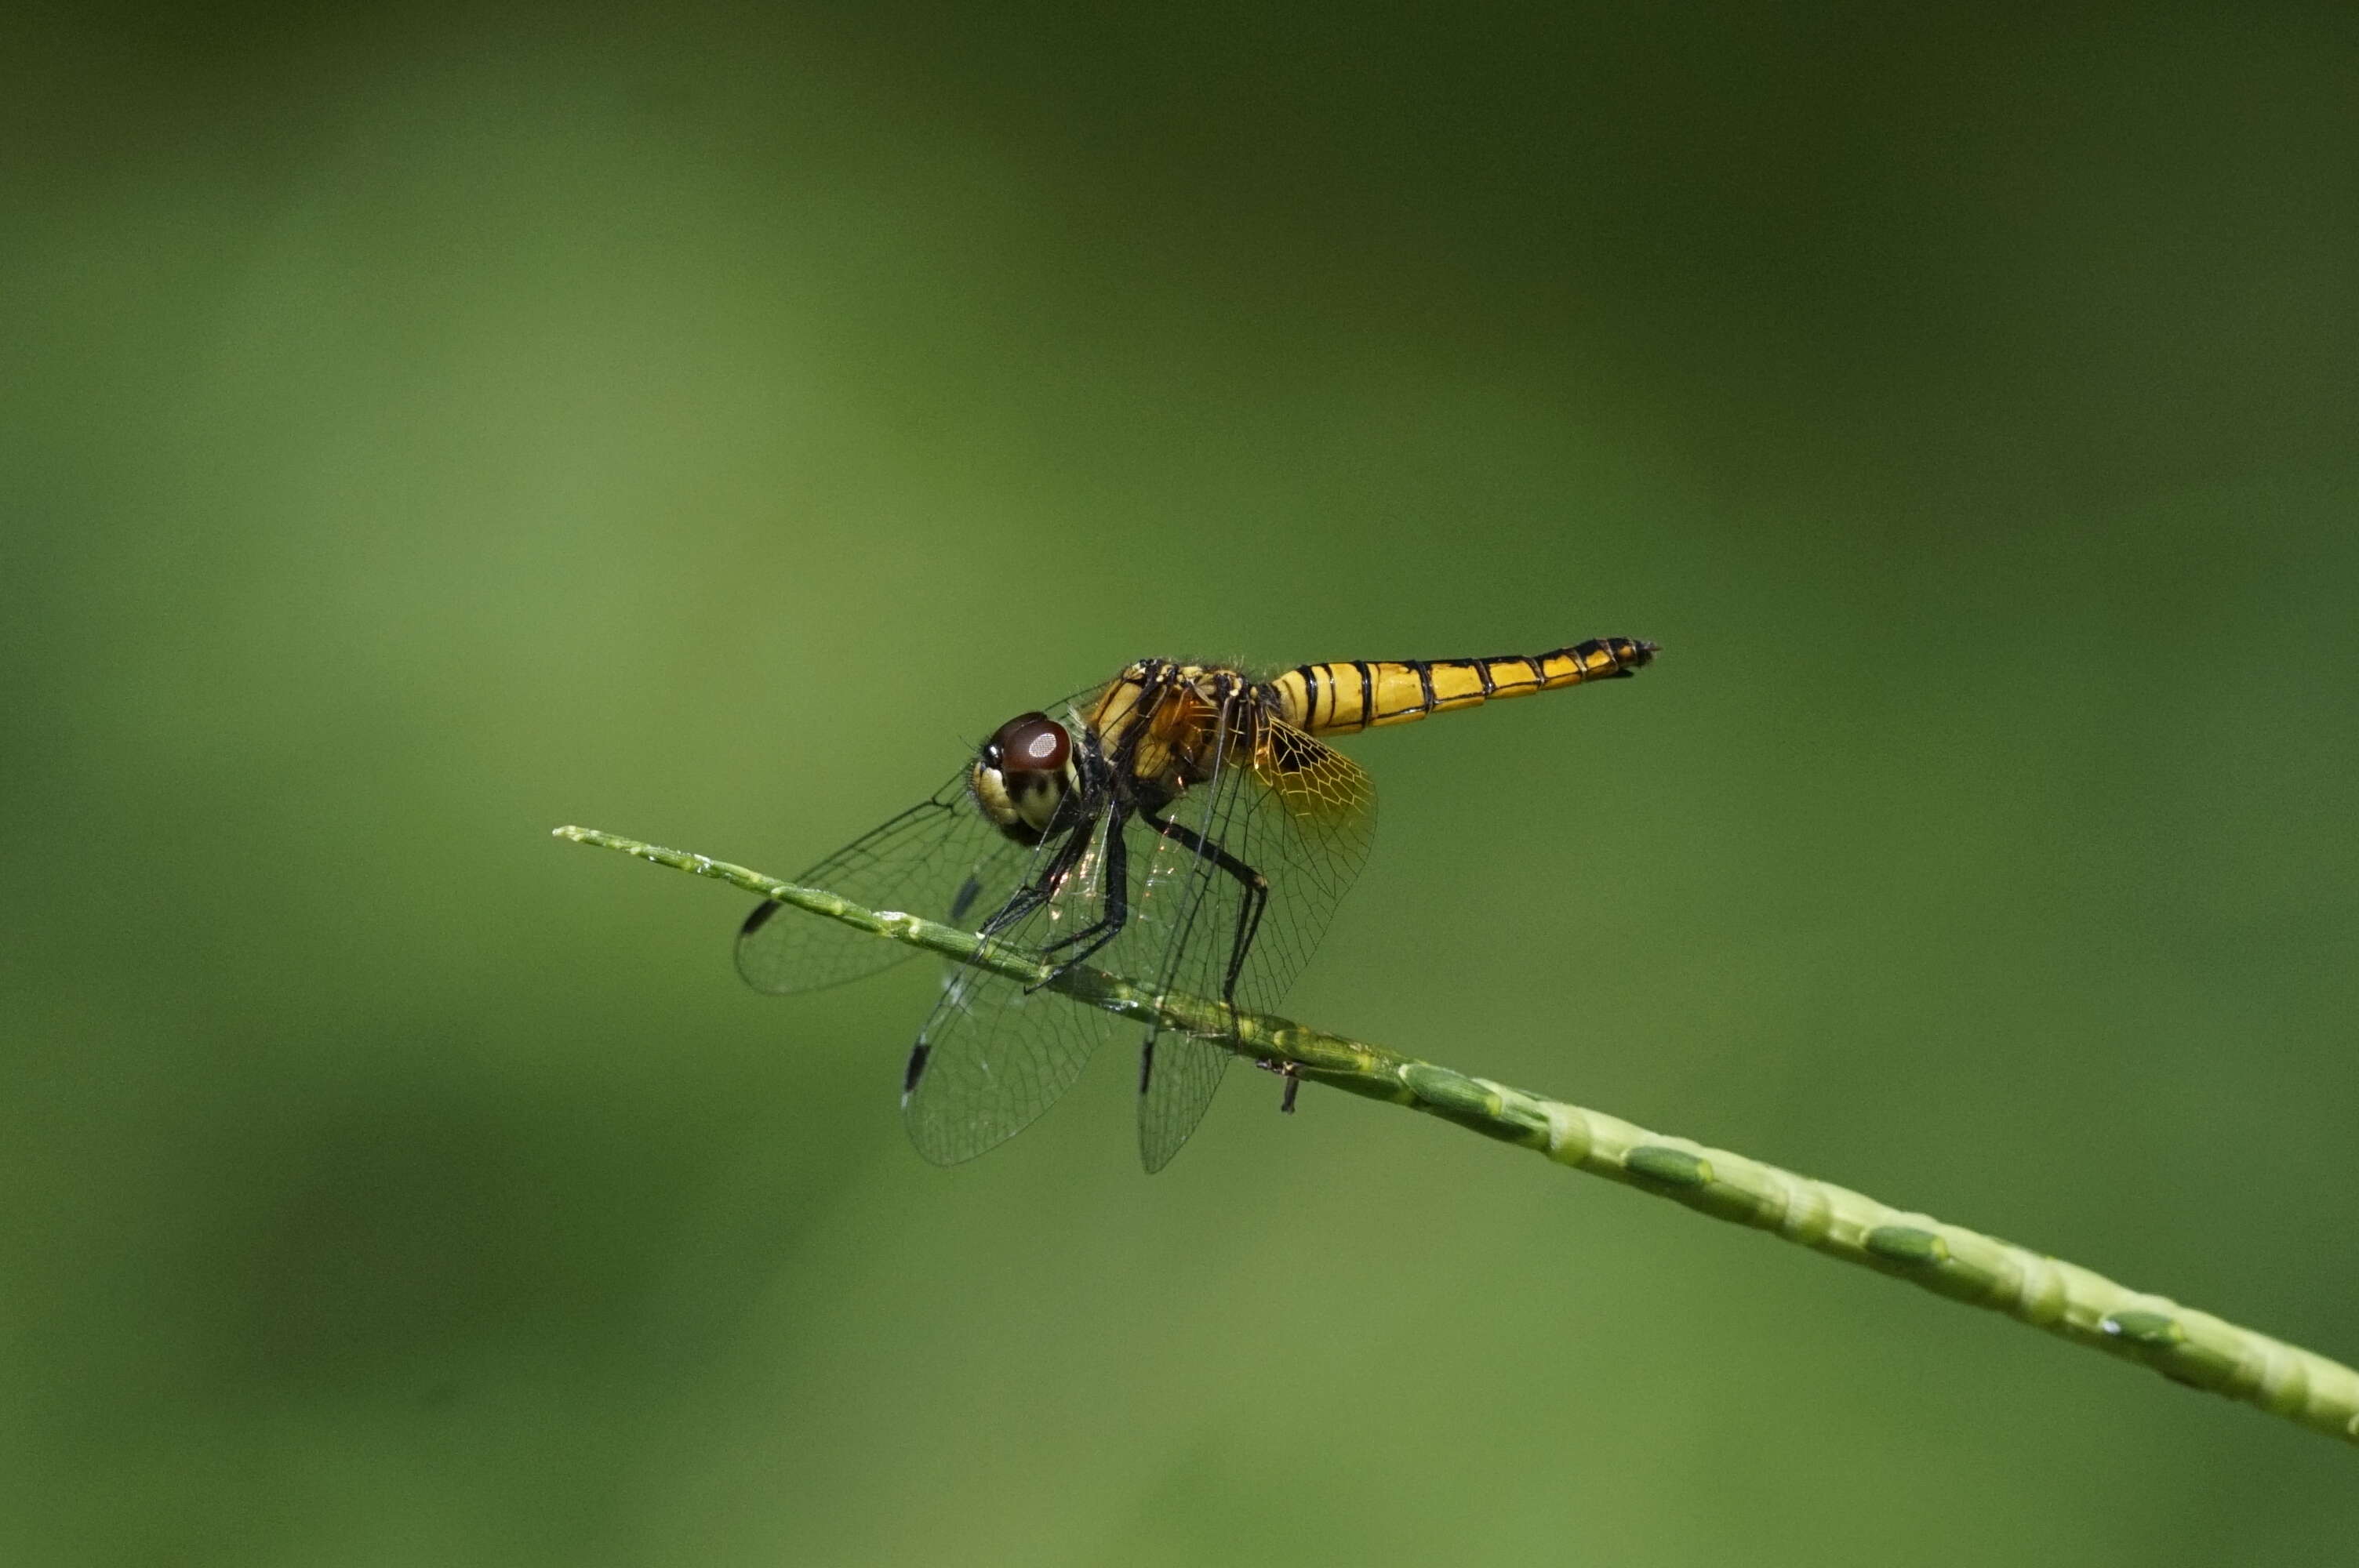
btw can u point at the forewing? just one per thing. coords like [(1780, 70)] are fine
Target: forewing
[(992, 1056), (1299, 813), (941, 858)]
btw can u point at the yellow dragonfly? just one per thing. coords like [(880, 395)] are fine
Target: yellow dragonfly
[(1186, 826)]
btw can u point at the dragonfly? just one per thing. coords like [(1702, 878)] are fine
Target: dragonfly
[(1183, 826)]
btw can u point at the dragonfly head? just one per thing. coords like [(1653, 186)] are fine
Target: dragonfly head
[(1024, 775)]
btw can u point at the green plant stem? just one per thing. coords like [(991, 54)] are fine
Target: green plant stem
[(2186, 1345)]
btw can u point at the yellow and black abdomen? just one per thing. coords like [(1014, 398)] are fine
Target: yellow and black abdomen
[(1331, 700)]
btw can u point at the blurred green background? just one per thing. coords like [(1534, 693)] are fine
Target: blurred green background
[(701, 422)]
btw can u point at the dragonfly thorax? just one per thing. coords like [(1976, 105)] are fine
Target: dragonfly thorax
[(1024, 774), (1164, 726)]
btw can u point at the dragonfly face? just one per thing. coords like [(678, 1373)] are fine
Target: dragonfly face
[(1025, 776), (1183, 826)]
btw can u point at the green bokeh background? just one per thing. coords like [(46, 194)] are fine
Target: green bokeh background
[(700, 422)]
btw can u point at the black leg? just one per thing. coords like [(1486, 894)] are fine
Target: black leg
[(1108, 926), (1249, 911), (1291, 1073), (1023, 902), (1039, 890), (1025, 898)]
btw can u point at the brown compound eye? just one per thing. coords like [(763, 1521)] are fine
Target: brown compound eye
[(1031, 743)]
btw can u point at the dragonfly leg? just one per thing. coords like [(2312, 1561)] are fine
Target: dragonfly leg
[(1040, 889), (1073, 949), (1022, 903), (1291, 1073), (1249, 910), (1032, 895)]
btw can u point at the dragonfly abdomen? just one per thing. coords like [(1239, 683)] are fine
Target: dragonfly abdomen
[(1341, 698)]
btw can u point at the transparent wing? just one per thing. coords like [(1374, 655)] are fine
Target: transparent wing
[(992, 1056), (941, 858), (1280, 807)]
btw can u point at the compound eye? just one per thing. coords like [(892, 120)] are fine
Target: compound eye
[(1031, 743)]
